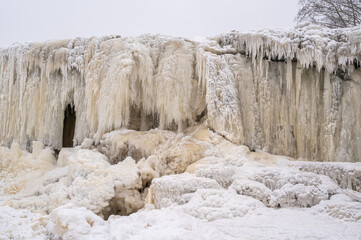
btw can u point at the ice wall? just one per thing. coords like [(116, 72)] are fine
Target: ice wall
[(294, 93), (285, 109), (141, 83)]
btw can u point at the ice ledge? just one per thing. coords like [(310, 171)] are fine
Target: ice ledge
[(312, 45)]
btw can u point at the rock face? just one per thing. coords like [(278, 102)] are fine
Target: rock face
[(288, 110), (295, 93)]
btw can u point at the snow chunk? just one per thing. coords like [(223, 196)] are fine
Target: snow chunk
[(172, 189), (277, 187), (342, 207), (73, 223)]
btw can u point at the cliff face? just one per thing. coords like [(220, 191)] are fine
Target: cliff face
[(294, 93), (289, 110)]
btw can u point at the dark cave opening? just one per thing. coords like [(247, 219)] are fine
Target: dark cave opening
[(69, 126)]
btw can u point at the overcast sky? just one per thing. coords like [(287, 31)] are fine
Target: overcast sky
[(39, 20)]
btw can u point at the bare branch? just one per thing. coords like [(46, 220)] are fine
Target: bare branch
[(330, 13)]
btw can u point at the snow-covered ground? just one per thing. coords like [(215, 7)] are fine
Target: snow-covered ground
[(185, 175), (161, 185)]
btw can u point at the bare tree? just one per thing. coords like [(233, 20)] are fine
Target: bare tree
[(330, 13)]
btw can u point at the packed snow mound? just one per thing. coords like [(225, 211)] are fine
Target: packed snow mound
[(173, 189), (88, 178), (277, 187), (84, 178), (256, 88), (341, 206), (117, 145), (196, 179), (19, 168), (73, 223), (345, 175)]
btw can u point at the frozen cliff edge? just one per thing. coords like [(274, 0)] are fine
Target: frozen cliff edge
[(294, 93)]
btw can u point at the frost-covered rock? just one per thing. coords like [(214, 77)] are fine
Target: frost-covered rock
[(215, 204)]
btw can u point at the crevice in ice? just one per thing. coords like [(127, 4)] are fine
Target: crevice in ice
[(140, 120), (69, 125), (201, 117), (122, 152), (356, 64), (343, 75)]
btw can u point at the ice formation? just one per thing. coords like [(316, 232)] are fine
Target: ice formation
[(177, 139), (294, 93), (196, 180)]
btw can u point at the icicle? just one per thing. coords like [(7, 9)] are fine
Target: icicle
[(105, 79), (289, 75), (298, 82)]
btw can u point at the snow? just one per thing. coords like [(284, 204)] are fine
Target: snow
[(21, 224), (69, 222), (183, 139), (310, 44), (213, 189)]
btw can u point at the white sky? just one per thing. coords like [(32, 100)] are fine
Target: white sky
[(39, 20)]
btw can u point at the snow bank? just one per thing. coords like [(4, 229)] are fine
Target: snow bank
[(342, 207), (84, 178), (345, 175), (277, 187), (87, 178), (20, 169), (205, 185)]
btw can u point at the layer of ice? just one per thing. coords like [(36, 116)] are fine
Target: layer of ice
[(256, 88)]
